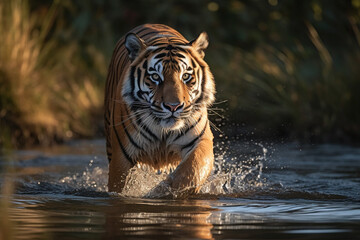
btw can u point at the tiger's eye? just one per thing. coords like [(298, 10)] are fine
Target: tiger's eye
[(155, 76), (186, 76)]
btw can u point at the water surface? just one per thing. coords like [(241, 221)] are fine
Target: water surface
[(257, 191)]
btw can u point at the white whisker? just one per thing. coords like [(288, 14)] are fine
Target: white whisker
[(215, 127)]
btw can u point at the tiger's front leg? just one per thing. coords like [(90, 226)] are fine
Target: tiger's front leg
[(119, 168), (193, 171)]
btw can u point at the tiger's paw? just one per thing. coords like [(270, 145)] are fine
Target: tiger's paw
[(162, 190), (165, 190)]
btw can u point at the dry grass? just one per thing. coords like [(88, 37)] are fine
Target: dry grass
[(47, 92), (304, 91)]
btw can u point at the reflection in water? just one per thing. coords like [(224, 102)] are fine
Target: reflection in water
[(29, 223), (117, 218), (48, 218), (112, 217), (187, 219), (308, 194)]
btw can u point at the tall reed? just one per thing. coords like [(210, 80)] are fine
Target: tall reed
[(309, 92), (47, 92)]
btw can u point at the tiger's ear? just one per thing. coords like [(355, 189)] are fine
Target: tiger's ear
[(134, 44), (200, 43)]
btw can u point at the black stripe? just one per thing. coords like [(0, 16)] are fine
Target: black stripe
[(120, 144), (159, 42), (157, 33), (169, 47), (141, 30), (158, 50), (186, 108), (184, 63), (141, 94), (182, 44), (147, 53), (109, 78), (149, 33), (202, 86), (138, 121), (195, 139), (129, 136), (112, 78), (119, 45), (127, 95), (130, 95), (123, 61), (132, 78), (188, 129), (123, 148), (137, 129), (107, 120), (180, 49), (160, 55), (157, 62), (193, 63), (179, 55), (145, 64), (139, 79), (109, 156)]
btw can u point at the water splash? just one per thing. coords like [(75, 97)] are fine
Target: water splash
[(242, 170), (237, 168), (142, 180), (234, 172), (93, 178)]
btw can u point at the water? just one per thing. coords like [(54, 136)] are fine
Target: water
[(257, 191)]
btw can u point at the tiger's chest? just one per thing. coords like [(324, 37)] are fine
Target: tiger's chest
[(160, 155), (167, 150)]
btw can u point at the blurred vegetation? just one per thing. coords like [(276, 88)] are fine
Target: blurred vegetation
[(49, 91), (287, 68)]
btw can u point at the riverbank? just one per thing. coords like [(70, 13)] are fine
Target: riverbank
[(276, 82)]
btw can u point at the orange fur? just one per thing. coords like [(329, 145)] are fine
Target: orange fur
[(157, 93)]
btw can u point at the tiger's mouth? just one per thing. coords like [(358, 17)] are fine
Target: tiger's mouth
[(172, 123), (171, 120)]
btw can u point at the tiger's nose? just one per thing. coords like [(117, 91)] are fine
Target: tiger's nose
[(173, 106)]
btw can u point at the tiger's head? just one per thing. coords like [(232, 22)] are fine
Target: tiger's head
[(168, 80)]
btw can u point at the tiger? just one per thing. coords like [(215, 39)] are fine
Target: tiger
[(157, 94)]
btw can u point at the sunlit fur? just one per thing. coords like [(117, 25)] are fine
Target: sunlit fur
[(157, 93)]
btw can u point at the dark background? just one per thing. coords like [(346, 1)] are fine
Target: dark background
[(283, 69)]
